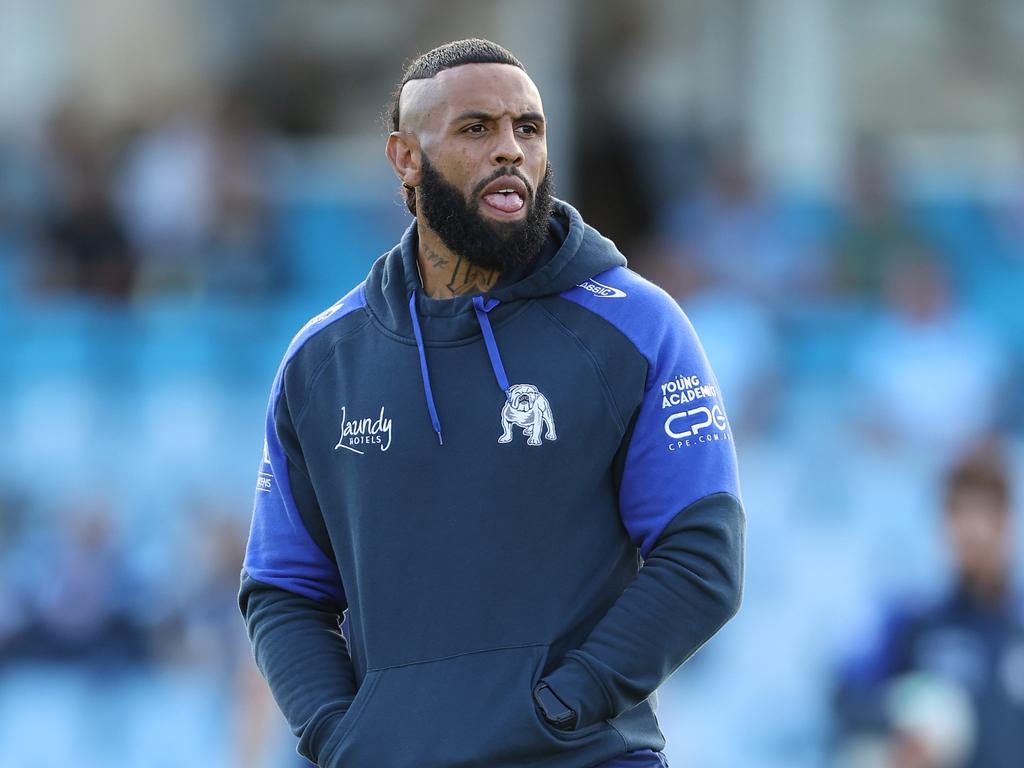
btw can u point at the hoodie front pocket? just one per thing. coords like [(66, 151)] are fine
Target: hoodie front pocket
[(465, 711), (352, 714)]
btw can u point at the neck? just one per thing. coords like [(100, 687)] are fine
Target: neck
[(987, 589), (446, 274)]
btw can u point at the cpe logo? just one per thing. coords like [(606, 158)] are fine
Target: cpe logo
[(692, 423), (601, 290)]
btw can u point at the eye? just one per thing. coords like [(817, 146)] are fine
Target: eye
[(474, 128), (528, 128)]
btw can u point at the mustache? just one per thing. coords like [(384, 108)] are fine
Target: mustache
[(499, 173)]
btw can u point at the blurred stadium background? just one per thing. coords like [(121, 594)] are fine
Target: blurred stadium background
[(833, 190)]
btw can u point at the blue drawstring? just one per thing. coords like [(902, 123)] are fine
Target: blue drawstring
[(481, 310), (423, 367), (492, 346)]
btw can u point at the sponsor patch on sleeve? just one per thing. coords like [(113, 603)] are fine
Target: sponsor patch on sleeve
[(695, 415)]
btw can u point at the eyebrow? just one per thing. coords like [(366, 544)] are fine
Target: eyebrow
[(535, 117)]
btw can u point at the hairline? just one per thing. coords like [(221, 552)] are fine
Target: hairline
[(394, 115)]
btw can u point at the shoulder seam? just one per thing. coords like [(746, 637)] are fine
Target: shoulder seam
[(633, 344), (359, 290), (670, 305), (322, 365), (291, 352)]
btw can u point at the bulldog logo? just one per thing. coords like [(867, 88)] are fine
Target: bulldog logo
[(527, 408)]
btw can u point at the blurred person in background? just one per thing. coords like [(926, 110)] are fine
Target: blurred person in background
[(84, 247), (75, 600), (944, 683), (928, 376), (193, 192), (496, 609), (729, 232), (207, 637), (875, 233), (14, 609)]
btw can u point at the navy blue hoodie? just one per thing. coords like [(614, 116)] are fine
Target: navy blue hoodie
[(537, 483)]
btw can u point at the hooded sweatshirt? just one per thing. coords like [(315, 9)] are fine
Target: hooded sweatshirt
[(460, 499)]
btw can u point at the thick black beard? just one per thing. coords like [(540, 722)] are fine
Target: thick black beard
[(498, 245)]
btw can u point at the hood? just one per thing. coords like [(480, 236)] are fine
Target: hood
[(573, 252)]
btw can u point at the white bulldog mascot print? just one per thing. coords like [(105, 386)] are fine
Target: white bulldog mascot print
[(527, 408)]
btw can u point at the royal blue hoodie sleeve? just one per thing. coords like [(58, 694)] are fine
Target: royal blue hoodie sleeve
[(680, 504), (291, 594)]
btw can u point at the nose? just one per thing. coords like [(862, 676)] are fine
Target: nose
[(506, 146)]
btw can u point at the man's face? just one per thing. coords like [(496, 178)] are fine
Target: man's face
[(477, 157), (979, 535), (465, 230)]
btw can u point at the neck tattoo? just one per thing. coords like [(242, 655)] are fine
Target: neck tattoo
[(461, 279)]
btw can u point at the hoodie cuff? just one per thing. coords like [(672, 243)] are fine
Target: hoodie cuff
[(318, 742), (579, 689)]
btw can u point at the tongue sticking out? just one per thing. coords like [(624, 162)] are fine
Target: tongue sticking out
[(510, 202)]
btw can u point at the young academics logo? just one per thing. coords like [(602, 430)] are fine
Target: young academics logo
[(698, 424), (601, 290), (525, 407), (364, 432)]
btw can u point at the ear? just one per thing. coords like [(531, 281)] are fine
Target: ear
[(403, 151)]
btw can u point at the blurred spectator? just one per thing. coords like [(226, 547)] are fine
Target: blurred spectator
[(612, 191), (875, 233), (296, 88), (729, 233), (80, 602), (968, 646), (192, 628), (13, 611), (194, 192), (84, 247), (214, 548), (926, 376), (240, 259)]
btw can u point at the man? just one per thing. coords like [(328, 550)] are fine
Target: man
[(970, 641), (471, 452)]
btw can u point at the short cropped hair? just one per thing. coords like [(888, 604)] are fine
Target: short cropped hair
[(473, 50)]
